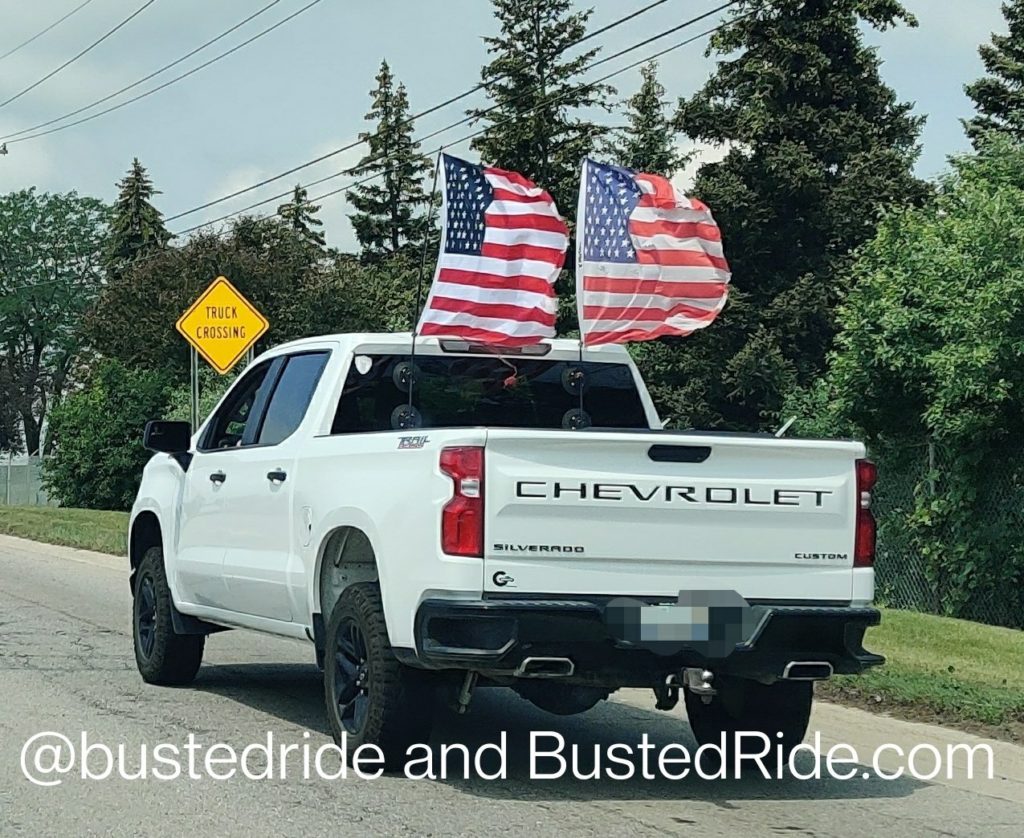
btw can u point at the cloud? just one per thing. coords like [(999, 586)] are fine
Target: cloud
[(701, 153), (27, 164)]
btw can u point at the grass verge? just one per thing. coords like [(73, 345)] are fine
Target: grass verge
[(88, 529), (941, 670)]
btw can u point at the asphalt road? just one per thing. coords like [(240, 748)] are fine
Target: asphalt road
[(66, 665)]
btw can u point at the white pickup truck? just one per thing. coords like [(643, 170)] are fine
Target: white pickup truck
[(442, 516)]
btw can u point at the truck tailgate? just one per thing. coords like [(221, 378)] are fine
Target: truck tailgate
[(651, 514)]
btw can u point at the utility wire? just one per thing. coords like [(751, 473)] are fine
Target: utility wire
[(38, 35), (546, 103), (349, 186), (432, 134), (74, 58), (409, 120), (144, 79), (168, 83)]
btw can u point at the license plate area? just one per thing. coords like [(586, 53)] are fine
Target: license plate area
[(711, 623)]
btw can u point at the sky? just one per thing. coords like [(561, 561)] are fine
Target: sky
[(303, 90)]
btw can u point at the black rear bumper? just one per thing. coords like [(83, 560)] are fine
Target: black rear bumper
[(494, 636)]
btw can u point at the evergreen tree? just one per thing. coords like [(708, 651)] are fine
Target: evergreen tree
[(999, 96), (648, 144), (819, 146), (301, 216), (537, 91), (389, 216), (137, 227)]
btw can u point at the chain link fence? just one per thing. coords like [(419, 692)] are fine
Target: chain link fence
[(913, 475), (21, 481)]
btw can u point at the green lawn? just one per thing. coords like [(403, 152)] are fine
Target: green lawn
[(944, 670), (949, 671), (89, 529)]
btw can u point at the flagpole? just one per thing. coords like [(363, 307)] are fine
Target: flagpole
[(580, 226), (419, 279)]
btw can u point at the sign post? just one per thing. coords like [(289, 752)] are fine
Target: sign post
[(221, 326)]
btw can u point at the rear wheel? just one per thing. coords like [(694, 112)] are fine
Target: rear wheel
[(372, 699), (162, 656), (744, 705)]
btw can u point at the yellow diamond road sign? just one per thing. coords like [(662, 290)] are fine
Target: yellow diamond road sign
[(222, 325)]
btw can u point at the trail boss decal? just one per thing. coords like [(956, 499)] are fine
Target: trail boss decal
[(670, 495)]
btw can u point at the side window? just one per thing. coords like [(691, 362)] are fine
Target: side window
[(291, 396), (230, 421)]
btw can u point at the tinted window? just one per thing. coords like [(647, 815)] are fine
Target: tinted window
[(500, 392), (230, 421), (291, 396)]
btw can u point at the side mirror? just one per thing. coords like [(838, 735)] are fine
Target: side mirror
[(167, 437)]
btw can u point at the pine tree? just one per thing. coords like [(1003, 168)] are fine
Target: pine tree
[(819, 146), (389, 215), (301, 216), (537, 92), (648, 144), (137, 227), (999, 96)]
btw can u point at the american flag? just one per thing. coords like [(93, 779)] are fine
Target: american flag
[(502, 247), (650, 260)]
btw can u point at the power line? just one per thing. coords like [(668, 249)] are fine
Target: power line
[(349, 186), (38, 35), (431, 135), (73, 59), (546, 103), (433, 109), (144, 79), (175, 80)]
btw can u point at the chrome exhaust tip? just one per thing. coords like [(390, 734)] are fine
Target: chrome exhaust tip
[(807, 671), (545, 668)]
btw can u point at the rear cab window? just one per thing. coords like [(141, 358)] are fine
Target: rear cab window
[(498, 392)]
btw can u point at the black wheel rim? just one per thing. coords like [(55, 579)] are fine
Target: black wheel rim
[(145, 620), (351, 677)]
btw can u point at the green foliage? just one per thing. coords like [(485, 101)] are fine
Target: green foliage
[(819, 146), (389, 217), (51, 249), (649, 143), (537, 92), (136, 226), (271, 264), (931, 347), (999, 95), (99, 455), (301, 217)]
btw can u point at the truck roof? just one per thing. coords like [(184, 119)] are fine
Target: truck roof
[(397, 342)]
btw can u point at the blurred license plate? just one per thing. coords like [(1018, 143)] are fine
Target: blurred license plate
[(680, 623)]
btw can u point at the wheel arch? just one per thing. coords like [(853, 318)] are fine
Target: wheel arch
[(146, 532)]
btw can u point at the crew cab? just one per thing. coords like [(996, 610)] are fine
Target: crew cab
[(437, 514)]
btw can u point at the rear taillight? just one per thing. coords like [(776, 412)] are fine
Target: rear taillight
[(864, 541), (462, 520)]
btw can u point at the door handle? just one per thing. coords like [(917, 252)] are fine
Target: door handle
[(218, 477), (276, 476)]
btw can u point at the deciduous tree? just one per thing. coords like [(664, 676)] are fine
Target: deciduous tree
[(51, 253)]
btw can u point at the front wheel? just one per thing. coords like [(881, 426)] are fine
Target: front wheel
[(744, 705), (162, 656), (372, 699)]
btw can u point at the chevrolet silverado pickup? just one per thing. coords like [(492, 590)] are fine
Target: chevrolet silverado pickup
[(437, 516)]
